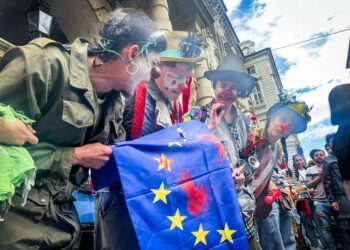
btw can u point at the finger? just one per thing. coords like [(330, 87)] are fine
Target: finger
[(32, 139), (30, 128), (108, 150), (221, 114), (103, 159), (212, 113)]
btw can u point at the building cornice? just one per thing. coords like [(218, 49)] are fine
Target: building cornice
[(217, 8)]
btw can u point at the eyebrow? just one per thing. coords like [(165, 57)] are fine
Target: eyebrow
[(175, 76)]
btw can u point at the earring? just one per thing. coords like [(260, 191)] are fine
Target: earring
[(132, 72), (95, 64)]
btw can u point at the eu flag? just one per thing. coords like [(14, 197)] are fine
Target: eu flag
[(178, 188)]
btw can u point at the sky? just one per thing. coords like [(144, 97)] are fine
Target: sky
[(308, 70)]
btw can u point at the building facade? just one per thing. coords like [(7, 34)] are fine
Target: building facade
[(261, 65)]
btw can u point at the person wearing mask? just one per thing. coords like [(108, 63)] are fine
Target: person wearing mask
[(229, 124), (272, 205), (75, 94)]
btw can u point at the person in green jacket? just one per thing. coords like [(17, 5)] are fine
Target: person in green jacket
[(76, 96)]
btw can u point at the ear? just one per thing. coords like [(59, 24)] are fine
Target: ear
[(131, 52)]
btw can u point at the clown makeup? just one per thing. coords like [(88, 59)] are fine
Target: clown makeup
[(226, 91), (175, 83), (173, 79), (278, 128)]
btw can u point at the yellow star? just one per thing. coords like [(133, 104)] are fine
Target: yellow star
[(160, 193), (164, 163), (226, 234), (176, 220), (174, 143), (200, 235)]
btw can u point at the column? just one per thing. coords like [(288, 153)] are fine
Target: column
[(159, 13)]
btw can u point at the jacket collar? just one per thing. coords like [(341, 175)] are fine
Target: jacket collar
[(79, 73)]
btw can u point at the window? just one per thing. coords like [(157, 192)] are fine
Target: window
[(258, 97), (245, 51), (251, 70)]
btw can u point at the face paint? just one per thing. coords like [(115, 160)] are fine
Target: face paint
[(175, 83), (227, 94), (284, 127)]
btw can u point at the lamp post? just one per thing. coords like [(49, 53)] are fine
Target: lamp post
[(39, 19)]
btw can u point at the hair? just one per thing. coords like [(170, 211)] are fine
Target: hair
[(172, 64), (295, 167), (339, 104), (312, 153), (123, 27)]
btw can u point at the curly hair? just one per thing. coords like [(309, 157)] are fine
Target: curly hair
[(124, 26)]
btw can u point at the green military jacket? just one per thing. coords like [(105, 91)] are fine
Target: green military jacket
[(50, 83)]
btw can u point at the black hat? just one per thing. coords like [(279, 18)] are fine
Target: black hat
[(232, 68)]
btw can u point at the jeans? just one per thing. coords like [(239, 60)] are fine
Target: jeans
[(275, 231), (322, 219), (310, 229), (113, 226)]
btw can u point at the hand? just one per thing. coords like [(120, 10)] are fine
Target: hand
[(93, 155), (214, 118), (238, 178), (16, 132), (347, 188), (335, 206), (320, 172)]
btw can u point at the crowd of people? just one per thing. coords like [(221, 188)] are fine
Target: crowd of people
[(131, 82)]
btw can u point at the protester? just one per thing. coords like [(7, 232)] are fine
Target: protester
[(321, 217), (305, 207), (75, 95), (154, 106), (339, 103), (273, 204), (333, 185), (229, 124)]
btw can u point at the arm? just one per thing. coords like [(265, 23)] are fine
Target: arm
[(327, 182), (313, 178), (312, 183)]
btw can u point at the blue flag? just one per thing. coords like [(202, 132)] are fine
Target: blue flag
[(178, 188)]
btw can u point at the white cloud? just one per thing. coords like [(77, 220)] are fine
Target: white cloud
[(231, 5), (320, 132), (295, 21), (284, 22), (319, 100)]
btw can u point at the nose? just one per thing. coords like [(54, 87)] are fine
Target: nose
[(155, 73), (284, 127), (182, 87), (227, 93)]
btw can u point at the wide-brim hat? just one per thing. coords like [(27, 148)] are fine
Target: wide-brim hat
[(232, 69), (182, 47), (298, 112)]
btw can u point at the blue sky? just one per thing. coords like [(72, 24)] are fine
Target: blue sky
[(309, 70)]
